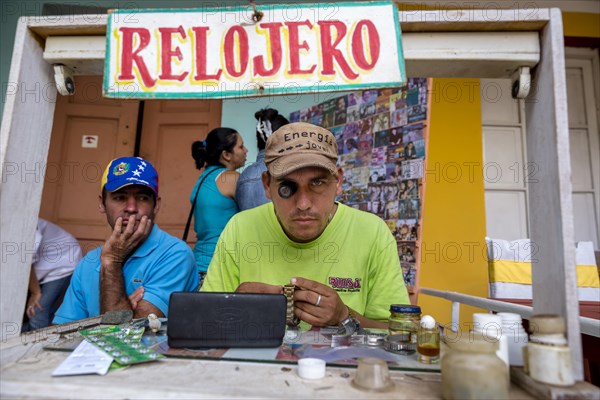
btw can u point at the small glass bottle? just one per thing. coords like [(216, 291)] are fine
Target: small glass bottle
[(403, 326), (472, 370), (428, 341)]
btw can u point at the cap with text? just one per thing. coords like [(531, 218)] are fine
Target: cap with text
[(125, 171), (300, 145)]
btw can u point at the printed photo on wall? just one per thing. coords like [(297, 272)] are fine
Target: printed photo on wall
[(407, 252), (407, 230), (304, 115), (378, 156), (391, 210), (399, 117), (338, 132), (351, 130), (381, 147), (394, 171), (352, 114), (377, 173), (365, 126), (412, 133), (354, 99), (396, 136), (408, 272), (383, 101), (362, 157), (339, 117), (350, 145), (394, 153), (409, 189), (365, 142), (408, 209), (328, 119), (412, 169), (354, 195), (398, 101), (375, 192), (382, 139)]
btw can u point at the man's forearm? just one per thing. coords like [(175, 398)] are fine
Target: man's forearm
[(112, 289), (366, 322), (34, 284)]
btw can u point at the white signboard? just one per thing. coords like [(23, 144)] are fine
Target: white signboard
[(223, 52)]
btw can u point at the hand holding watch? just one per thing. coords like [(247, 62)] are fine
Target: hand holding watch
[(347, 326)]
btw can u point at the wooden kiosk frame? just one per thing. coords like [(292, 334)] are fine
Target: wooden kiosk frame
[(478, 48)]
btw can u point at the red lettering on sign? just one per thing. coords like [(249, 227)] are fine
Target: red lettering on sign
[(329, 50), (294, 47), (200, 34), (273, 43), (129, 56), (358, 46), (230, 47), (167, 53)]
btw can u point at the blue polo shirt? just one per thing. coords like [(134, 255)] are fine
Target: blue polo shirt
[(162, 264)]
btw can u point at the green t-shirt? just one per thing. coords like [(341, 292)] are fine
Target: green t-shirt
[(356, 255)]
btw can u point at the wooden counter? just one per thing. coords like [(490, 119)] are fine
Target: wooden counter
[(26, 373)]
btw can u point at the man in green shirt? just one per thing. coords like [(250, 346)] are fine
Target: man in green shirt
[(343, 262)]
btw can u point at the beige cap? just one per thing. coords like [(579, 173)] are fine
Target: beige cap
[(300, 145)]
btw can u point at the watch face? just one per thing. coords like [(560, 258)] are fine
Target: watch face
[(350, 325)]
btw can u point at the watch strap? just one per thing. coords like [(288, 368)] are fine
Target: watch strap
[(290, 317)]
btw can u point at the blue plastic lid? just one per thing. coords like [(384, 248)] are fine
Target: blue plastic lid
[(405, 308)]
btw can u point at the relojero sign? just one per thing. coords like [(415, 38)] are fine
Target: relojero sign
[(218, 53)]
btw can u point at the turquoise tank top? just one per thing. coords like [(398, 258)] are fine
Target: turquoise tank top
[(211, 214)]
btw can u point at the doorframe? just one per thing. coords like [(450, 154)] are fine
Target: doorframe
[(576, 53), (26, 127)]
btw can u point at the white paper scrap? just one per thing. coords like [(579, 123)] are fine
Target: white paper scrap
[(85, 359)]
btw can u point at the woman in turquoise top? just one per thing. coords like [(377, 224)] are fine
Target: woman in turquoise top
[(217, 157)]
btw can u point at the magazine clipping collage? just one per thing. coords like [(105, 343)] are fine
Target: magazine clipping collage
[(381, 147)]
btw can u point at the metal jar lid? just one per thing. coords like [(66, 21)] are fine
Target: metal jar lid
[(405, 308)]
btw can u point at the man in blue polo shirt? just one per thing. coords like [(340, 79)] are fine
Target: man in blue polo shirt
[(139, 265)]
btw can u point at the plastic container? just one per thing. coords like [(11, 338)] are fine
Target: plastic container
[(404, 323), (490, 326), (428, 341), (472, 370), (311, 368), (372, 375), (547, 356), (517, 338)]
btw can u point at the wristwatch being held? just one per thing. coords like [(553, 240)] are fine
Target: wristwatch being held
[(291, 319), (350, 324)]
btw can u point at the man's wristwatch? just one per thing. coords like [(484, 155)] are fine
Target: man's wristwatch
[(290, 317), (350, 325)]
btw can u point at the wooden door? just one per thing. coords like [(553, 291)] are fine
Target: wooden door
[(169, 129), (584, 145), (506, 170), (88, 132)]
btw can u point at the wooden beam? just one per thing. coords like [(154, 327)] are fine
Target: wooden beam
[(469, 54), (456, 54)]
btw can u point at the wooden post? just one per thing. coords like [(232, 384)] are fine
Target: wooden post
[(26, 127), (550, 199)]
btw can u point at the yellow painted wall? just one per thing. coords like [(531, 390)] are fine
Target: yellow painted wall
[(581, 24), (452, 247)]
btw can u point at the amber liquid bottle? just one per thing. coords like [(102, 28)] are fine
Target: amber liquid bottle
[(428, 341)]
